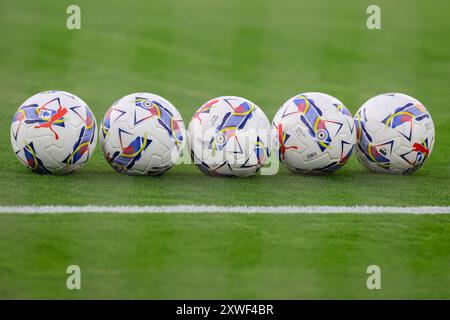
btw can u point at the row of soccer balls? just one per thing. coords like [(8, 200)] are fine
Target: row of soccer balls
[(142, 133)]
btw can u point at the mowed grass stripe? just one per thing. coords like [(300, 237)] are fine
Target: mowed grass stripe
[(225, 209), (225, 256)]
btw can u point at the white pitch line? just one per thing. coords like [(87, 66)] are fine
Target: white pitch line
[(224, 209)]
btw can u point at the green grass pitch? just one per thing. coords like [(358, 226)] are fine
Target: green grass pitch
[(189, 52)]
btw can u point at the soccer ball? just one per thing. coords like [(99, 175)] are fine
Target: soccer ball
[(54, 132), (229, 136), (395, 134), (313, 133), (142, 134)]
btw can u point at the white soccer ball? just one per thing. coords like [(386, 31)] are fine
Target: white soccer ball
[(54, 132), (229, 136), (395, 133), (313, 133), (142, 134)]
